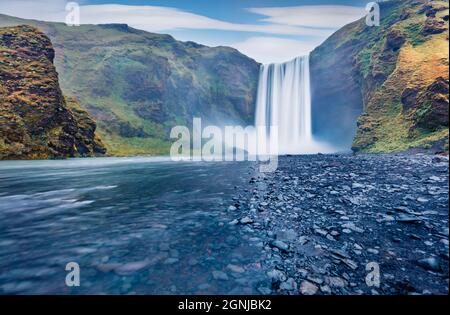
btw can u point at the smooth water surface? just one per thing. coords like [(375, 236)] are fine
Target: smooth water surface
[(134, 226)]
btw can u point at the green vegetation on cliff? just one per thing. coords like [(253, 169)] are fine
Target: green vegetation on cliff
[(138, 85), (397, 73), (36, 121)]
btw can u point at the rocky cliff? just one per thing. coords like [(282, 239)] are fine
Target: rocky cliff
[(392, 79), (36, 120), (138, 85)]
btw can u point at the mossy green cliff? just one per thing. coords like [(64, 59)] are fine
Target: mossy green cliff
[(138, 85), (394, 78), (36, 120)]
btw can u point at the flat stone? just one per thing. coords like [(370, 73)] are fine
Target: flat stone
[(131, 267), (353, 227), (350, 263), (321, 232), (289, 285), (219, 275), (246, 220), (235, 268), (339, 253), (280, 245), (357, 185), (408, 219), (276, 275), (336, 282), (287, 235), (307, 288), (171, 261), (430, 264)]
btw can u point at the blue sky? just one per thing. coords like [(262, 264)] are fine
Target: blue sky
[(266, 30)]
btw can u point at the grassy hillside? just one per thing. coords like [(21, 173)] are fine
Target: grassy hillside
[(399, 75), (36, 121), (138, 85)]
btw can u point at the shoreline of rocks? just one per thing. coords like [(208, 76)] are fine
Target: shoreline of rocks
[(335, 224)]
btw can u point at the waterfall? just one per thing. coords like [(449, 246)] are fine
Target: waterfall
[(284, 102)]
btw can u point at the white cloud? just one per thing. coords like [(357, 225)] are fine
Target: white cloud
[(158, 19), (324, 16), (314, 23), (51, 10), (274, 49)]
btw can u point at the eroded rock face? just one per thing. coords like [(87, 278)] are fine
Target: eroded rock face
[(35, 119), (383, 83), (139, 85), (434, 26), (409, 98), (395, 39), (433, 112)]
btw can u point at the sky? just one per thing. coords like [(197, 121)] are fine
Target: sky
[(269, 31)]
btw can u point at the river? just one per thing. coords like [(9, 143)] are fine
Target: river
[(133, 225)]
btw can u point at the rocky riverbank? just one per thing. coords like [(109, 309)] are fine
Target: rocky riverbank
[(321, 220)]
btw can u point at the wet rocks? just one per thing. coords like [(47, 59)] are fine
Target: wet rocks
[(326, 217), (289, 285), (307, 288), (131, 267), (409, 219), (280, 245), (246, 220), (276, 275), (219, 275), (430, 263), (235, 268)]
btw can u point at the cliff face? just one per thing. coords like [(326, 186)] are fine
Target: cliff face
[(138, 85), (36, 121), (396, 75)]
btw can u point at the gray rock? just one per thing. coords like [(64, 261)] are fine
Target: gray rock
[(235, 268), (219, 275), (321, 232), (289, 285), (307, 288), (353, 227), (430, 263), (280, 245), (171, 261), (352, 264), (287, 235), (276, 275), (357, 185), (408, 219), (246, 220), (336, 282), (264, 290), (131, 267)]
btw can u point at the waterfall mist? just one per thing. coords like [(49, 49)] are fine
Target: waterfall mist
[(284, 102)]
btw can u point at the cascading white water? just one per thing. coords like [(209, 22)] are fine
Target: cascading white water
[(284, 102)]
